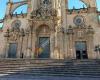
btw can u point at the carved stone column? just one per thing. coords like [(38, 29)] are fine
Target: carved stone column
[(56, 50), (27, 37), (19, 47), (29, 48), (33, 44), (61, 42), (52, 44)]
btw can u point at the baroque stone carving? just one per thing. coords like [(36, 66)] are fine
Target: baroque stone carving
[(44, 14), (45, 10)]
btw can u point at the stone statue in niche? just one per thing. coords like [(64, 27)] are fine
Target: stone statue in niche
[(39, 12)]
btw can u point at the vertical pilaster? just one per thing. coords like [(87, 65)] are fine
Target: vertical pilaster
[(90, 47), (19, 48), (6, 48), (52, 44), (33, 44), (61, 45), (27, 36), (69, 47), (64, 22), (29, 49)]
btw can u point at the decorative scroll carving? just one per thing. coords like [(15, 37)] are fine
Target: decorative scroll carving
[(43, 13), (45, 10)]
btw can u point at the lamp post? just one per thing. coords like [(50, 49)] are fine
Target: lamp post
[(97, 50)]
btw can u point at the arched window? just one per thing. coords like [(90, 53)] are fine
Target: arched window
[(20, 9), (77, 4)]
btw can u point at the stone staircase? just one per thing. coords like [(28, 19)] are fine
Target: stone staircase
[(48, 67)]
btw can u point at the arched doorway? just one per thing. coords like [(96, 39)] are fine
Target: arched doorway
[(43, 42)]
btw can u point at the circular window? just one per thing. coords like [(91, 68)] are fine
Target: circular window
[(78, 20)]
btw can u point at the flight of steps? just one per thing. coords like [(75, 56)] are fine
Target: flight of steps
[(48, 67)]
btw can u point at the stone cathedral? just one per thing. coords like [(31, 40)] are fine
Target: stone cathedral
[(49, 30)]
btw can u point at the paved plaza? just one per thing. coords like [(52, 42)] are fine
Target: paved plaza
[(31, 77)]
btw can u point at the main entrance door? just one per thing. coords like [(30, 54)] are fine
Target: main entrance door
[(12, 50), (81, 50), (44, 47)]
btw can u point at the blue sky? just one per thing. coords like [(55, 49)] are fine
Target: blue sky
[(24, 8)]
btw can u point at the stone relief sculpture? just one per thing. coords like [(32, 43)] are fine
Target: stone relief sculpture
[(44, 11)]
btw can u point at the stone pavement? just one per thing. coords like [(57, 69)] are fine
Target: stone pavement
[(31, 77)]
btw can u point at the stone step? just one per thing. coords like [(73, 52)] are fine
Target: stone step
[(50, 67)]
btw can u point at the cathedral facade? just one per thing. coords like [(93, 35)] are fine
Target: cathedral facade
[(50, 30)]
